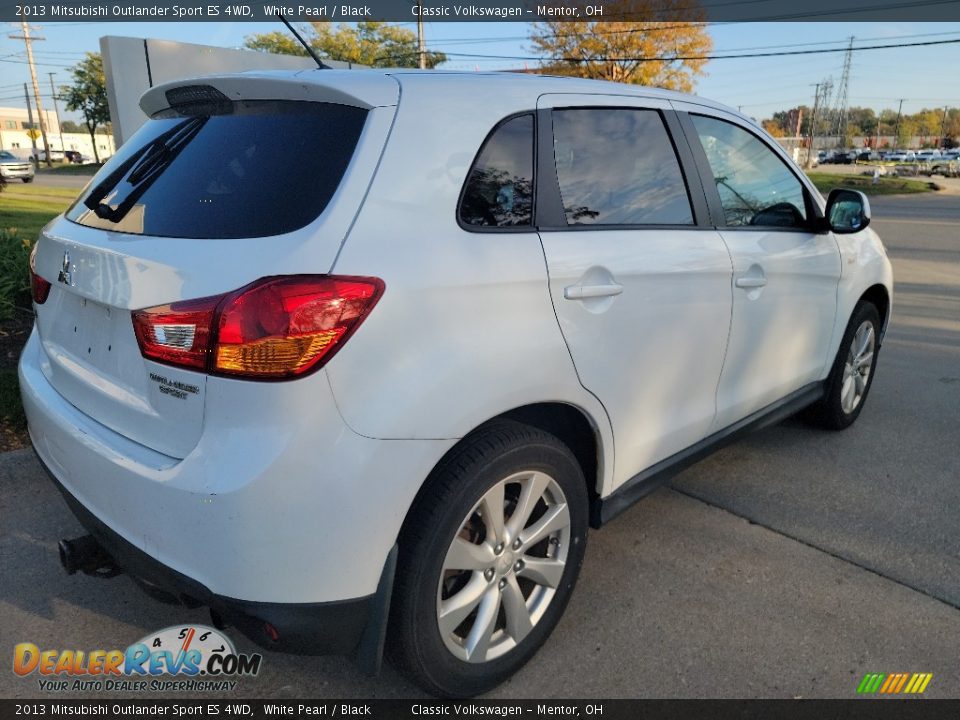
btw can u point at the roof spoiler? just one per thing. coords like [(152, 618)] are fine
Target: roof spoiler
[(357, 88)]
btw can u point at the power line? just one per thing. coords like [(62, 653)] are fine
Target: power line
[(27, 62), (674, 58)]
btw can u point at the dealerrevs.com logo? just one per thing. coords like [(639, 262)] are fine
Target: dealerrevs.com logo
[(187, 658)]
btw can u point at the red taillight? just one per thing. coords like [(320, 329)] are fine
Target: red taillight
[(275, 328), (39, 287), (179, 333)]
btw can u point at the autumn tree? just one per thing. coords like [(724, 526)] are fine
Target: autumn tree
[(376, 44), (88, 95), (774, 128), (661, 54)]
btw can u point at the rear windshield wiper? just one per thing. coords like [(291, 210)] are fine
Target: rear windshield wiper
[(141, 170)]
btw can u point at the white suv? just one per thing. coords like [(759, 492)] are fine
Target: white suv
[(356, 358)]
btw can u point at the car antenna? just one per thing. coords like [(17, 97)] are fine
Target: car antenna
[(305, 44)]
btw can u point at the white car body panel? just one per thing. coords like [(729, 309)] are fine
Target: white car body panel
[(282, 476), (619, 343), (444, 286)]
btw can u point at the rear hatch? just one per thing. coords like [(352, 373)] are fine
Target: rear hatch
[(232, 179)]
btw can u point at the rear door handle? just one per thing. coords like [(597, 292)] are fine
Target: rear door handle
[(585, 292), (751, 282)]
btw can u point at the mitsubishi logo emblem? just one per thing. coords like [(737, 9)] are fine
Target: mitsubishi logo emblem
[(65, 276)]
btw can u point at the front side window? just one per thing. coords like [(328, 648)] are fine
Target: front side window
[(618, 167), (499, 189), (756, 188)]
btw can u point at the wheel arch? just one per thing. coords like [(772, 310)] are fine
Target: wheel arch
[(879, 296), (572, 425)]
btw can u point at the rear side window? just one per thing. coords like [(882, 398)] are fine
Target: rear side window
[(243, 169), (618, 167), (499, 189)]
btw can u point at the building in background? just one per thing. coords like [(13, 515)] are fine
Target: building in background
[(15, 135)]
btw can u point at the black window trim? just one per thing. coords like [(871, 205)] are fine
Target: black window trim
[(814, 223), (549, 215), (532, 227)]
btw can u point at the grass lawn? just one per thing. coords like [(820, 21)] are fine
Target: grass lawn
[(826, 182), (29, 207)]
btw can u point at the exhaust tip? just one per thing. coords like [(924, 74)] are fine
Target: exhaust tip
[(85, 554), (67, 557)]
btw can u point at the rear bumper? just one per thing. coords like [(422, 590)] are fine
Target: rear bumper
[(347, 627), (280, 514)]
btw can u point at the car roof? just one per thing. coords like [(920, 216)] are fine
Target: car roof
[(372, 87)]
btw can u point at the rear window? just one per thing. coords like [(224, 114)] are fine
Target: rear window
[(246, 169)]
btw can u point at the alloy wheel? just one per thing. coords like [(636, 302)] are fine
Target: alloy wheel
[(856, 371), (503, 566)]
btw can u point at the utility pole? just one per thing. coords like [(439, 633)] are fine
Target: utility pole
[(421, 40), (33, 139), (813, 125), (896, 132), (56, 110), (36, 85), (943, 124)]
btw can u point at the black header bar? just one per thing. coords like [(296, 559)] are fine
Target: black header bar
[(51, 11)]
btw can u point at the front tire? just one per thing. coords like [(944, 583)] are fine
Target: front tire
[(27, 179), (852, 373), (489, 557)]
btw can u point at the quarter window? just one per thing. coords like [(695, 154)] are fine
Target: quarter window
[(618, 167), (756, 188), (499, 189)]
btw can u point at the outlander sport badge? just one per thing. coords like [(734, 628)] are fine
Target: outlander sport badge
[(65, 276)]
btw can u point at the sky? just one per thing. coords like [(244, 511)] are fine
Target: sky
[(924, 77)]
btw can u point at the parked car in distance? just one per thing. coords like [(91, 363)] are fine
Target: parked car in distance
[(927, 155), (55, 156), (390, 374), (78, 158), (899, 156), (14, 168)]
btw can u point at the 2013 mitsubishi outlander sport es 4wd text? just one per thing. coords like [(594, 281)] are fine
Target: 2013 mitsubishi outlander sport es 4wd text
[(356, 357)]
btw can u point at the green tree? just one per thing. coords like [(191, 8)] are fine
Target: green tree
[(375, 44), (69, 126), (863, 121), (645, 53), (88, 95)]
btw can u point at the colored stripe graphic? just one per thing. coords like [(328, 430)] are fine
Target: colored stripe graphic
[(894, 683)]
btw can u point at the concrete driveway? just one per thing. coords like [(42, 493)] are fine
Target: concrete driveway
[(788, 565)]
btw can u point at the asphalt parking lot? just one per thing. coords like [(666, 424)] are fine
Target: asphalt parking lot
[(788, 565)]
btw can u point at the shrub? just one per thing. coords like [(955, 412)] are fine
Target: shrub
[(14, 272)]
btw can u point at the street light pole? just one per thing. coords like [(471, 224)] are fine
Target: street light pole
[(421, 40), (56, 110), (813, 125), (33, 133), (896, 132), (28, 41)]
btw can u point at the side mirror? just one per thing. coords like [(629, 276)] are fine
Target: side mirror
[(848, 211)]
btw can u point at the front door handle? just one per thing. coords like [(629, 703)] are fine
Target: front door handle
[(585, 292), (751, 282)]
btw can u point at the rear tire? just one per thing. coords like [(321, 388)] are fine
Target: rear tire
[(27, 179), (852, 373), (489, 556)]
